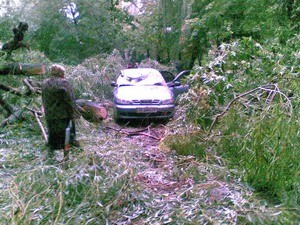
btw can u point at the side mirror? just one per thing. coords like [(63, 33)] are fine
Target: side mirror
[(113, 84)]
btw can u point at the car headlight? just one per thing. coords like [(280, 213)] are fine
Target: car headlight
[(122, 101), (167, 101)]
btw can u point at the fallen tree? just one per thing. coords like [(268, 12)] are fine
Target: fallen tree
[(91, 111), (23, 69)]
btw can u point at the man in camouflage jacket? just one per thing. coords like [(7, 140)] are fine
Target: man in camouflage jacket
[(59, 106)]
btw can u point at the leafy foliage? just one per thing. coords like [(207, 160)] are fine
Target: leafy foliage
[(69, 34), (265, 147), (215, 22), (259, 132)]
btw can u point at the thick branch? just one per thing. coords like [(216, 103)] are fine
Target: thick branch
[(268, 87), (23, 69), (33, 87), (134, 133), (10, 89)]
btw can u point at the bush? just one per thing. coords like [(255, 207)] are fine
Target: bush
[(266, 147), (259, 132)]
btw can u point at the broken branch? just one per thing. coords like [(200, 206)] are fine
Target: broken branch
[(268, 87), (10, 89), (41, 126)]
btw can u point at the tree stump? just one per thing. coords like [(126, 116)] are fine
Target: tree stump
[(91, 111)]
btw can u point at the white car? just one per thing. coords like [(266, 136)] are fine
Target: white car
[(143, 93)]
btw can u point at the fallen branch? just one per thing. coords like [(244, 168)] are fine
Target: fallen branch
[(145, 134), (12, 118), (31, 89), (91, 111), (41, 126), (37, 117), (23, 69), (15, 115), (271, 88), (134, 133), (10, 89)]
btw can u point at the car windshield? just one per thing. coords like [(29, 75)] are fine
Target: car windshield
[(140, 77)]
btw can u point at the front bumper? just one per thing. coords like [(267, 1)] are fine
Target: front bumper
[(144, 111)]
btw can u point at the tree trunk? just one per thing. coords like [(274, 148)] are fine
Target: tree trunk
[(23, 69), (91, 111)]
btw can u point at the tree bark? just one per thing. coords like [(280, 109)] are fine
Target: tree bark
[(23, 69), (91, 111)]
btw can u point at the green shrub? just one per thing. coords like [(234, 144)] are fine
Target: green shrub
[(259, 133), (266, 147)]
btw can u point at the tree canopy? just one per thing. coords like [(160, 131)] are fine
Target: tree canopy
[(169, 31)]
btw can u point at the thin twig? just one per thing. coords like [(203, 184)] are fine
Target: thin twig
[(41, 126), (133, 133), (145, 134), (6, 106), (60, 203), (267, 88)]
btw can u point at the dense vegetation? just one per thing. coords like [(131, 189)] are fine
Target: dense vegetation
[(241, 113)]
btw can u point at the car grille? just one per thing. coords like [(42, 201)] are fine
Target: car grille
[(146, 102)]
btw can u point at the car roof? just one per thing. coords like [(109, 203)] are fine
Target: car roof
[(140, 76)]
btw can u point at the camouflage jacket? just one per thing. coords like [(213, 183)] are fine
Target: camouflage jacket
[(58, 99)]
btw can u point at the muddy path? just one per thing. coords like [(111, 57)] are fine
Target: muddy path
[(151, 183), (181, 189)]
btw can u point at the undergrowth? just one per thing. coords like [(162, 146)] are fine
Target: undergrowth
[(245, 99), (113, 182), (42, 192), (265, 147)]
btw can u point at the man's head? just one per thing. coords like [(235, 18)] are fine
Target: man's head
[(57, 70), (23, 26)]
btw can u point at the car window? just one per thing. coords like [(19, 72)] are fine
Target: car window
[(159, 84), (168, 76)]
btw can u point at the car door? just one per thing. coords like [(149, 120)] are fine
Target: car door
[(167, 75), (177, 85)]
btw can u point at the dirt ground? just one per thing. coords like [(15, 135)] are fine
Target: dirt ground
[(203, 193)]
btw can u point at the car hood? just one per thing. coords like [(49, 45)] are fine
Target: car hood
[(143, 92)]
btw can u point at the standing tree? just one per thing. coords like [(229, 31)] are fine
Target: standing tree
[(70, 32), (17, 41)]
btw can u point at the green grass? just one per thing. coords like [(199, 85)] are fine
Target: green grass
[(266, 148), (113, 180), (187, 144), (42, 191)]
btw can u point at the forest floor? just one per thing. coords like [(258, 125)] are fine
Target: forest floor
[(179, 189), (148, 183)]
